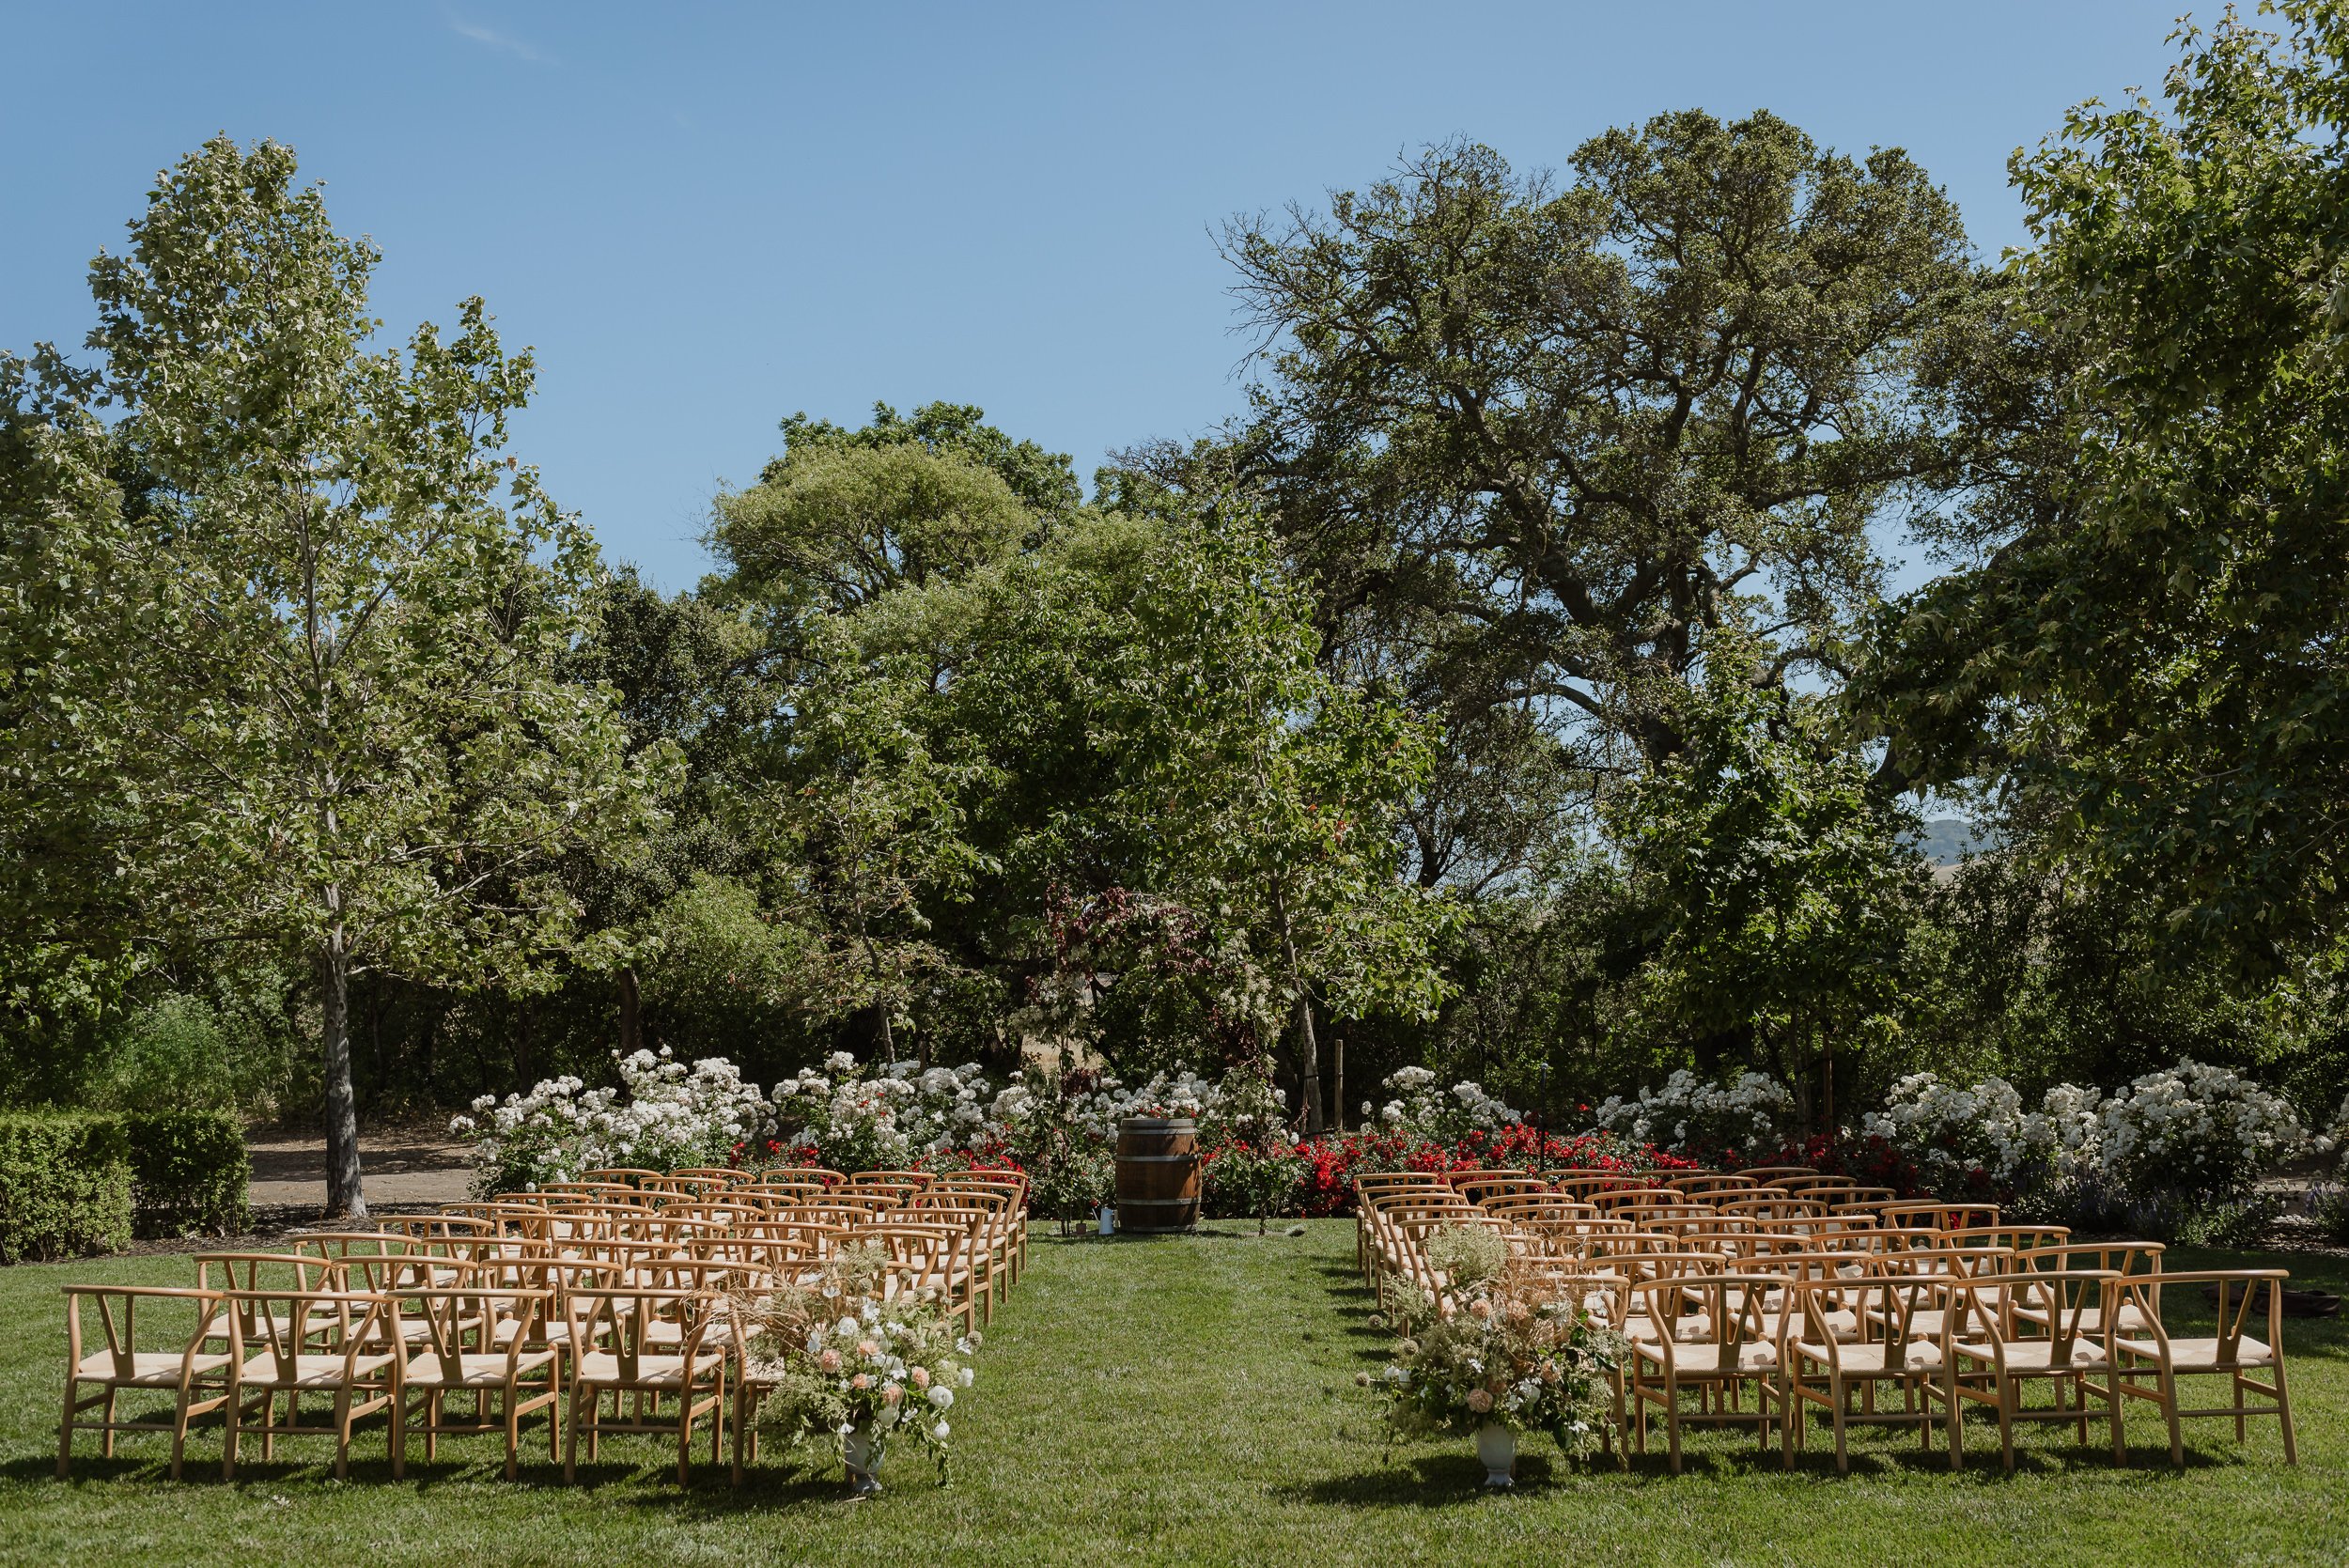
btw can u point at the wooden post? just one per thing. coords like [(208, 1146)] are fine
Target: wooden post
[(1337, 1076)]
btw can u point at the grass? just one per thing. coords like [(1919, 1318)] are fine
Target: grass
[(1177, 1400)]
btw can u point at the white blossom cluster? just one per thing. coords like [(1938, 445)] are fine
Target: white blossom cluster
[(1751, 1114), (2195, 1128), (890, 1115), (1419, 1109), (1950, 1132), (661, 1115)]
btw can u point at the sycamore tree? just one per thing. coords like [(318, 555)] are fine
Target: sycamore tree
[(1268, 797), (305, 644)]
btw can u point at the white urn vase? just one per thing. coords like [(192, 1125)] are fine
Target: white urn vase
[(1497, 1450), (860, 1452)]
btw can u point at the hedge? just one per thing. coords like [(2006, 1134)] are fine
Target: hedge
[(190, 1170), (64, 1186), (73, 1182)]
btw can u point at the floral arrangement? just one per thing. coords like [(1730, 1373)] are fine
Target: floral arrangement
[(1418, 1108), (659, 1116), (1515, 1349), (844, 1360), (1687, 1115), (2194, 1131)]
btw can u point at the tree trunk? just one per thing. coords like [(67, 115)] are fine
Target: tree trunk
[(1307, 1064), (631, 1013), (345, 1196), (1308, 1054)]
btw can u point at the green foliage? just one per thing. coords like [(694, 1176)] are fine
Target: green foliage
[(1774, 894), (1043, 481), (1546, 438), (297, 668), (64, 1186), (721, 969), (2139, 651), (190, 1171)]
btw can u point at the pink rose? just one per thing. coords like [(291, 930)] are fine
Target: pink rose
[(1479, 1308), (1480, 1399), (921, 1378), (828, 1360), (859, 1381), (867, 1347), (892, 1394)]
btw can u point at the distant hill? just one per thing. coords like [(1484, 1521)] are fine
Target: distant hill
[(1948, 840)]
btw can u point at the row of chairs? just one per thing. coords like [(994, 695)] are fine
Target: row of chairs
[(618, 1292), (1745, 1316)]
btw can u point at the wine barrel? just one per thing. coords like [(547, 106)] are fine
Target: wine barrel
[(1158, 1174)]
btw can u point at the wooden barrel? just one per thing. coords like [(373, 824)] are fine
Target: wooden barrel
[(1158, 1174)]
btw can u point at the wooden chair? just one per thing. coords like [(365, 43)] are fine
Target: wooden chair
[(1939, 1217), (195, 1377), (914, 1179), (1987, 1360), (1897, 1318), (1711, 1335), (434, 1227), (2147, 1346), (337, 1349), (461, 1353), (648, 1343), (1013, 1190), (726, 1175), (929, 1260)]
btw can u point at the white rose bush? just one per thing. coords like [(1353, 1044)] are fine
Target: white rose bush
[(1752, 1115), (663, 1115)]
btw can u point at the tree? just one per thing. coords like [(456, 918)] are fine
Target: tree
[(1769, 891), (1534, 445), (314, 649), (1267, 796), (2147, 652)]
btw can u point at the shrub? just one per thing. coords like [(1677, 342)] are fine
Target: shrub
[(1752, 1113), (2194, 1133), (190, 1171), (1420, 1109), (64, 1186), (671, 1116), (1964, 1139)]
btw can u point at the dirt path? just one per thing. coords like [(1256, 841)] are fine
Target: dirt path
[(405, 1170)]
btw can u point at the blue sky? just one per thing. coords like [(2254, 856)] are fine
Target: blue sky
[(705, 217)]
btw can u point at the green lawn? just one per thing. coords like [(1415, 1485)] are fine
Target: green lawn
[(1177, 1400)]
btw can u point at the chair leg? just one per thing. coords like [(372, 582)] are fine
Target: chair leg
[(2283, 1409), (742, 1420), (570, 1449), (179, 1433), (342, 1433), (513, 1429), (399, 1437), (1842, 1454), (107, 1449), (718, 1416), (64, 1427), (2169, 1407)]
